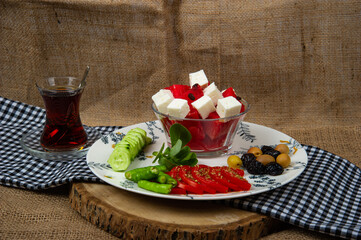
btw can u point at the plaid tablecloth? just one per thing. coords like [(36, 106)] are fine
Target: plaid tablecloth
[(326, 197)]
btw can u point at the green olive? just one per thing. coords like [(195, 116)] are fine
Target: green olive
[(265, 159), (284, 160), (234, 161), (282, 148), (255, 150)]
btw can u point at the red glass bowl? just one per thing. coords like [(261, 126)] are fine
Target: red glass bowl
[(210, 137)]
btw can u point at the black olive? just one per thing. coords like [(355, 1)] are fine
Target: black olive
[(247, 158), (252, 165), (270, 151), (256, 168), (266, 148), (273, 169)]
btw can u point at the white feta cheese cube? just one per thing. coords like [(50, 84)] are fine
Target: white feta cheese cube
[(198, 77), (167, 91), (204, 105), (161, 100), (178, 108), (228, 106), (213, 92)]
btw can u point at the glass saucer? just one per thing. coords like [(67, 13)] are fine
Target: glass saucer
[(30, 142)]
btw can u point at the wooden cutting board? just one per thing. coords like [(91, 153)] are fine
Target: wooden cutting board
[(133, 216)]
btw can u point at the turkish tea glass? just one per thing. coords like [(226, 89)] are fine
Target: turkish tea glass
[(63, 129)]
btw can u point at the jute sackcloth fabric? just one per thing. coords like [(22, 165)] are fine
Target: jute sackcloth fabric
[(297, 62)]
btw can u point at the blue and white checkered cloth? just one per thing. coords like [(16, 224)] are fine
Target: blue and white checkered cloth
[(18, 168), (326, 197)]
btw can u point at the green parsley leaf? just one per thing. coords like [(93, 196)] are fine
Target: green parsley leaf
[(176, 148), (178, 131), (179, 153)]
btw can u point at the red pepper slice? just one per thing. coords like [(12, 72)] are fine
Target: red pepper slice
[(187, 177), (201, 173)]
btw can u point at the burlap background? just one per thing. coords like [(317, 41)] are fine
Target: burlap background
[(297, 62)]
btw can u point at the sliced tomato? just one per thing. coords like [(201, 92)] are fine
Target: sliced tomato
[(178, 190), (216, 174), (187, 177), (205, 179), (239, 171), (201, 173), (236, 172), (176, 173), (189, 188), (241, 182)]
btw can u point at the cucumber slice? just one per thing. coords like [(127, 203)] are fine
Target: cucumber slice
[(120, 159), (138, 137), (122, 144), (128, 148), (135, 138), (148, 140), (133, 146), (141, 132)]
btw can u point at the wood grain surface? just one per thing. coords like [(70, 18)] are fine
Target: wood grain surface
[(133, 216)]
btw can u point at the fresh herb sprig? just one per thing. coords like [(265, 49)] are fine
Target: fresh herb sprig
[(179, 153)]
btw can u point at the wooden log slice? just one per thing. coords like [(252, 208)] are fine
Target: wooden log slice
[(133, 216)]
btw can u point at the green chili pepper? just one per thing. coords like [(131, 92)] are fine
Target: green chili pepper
[(168, 178), (144, 173), (161, 168), (155, 187), (161, 178)]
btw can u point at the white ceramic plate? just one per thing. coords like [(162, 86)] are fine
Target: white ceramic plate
[(248, 135)]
